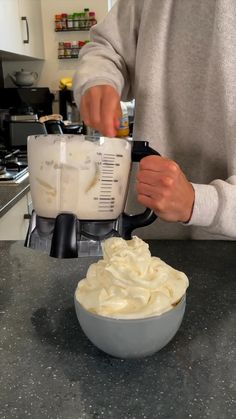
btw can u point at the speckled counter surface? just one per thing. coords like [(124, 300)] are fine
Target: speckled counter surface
[(50, 370), (11, 194)]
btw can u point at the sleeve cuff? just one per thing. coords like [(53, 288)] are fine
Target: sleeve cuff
[(205, 205)]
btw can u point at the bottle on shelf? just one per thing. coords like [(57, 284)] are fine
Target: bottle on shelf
[(92, 19), (81, 44), (82, 21), (70, 21), (123, 130), (58, 22), (76, 20), (67, 49), (64, 21), (86, 17), (61, 50), (74, 49), (70, 49)]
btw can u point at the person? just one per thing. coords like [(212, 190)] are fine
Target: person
[(177, 59)]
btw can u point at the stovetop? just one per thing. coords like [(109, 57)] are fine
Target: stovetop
[(13, 166)]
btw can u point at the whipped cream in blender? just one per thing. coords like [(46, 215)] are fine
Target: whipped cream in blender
[(129, 283), (80, 175)]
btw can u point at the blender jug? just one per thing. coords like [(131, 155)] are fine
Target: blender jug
[(79, 187)]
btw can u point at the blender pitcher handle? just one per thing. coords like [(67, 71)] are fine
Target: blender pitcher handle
[(140, 150)]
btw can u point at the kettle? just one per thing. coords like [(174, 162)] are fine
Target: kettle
[(24, 78)]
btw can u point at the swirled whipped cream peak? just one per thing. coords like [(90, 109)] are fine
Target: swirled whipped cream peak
[(129, 283)]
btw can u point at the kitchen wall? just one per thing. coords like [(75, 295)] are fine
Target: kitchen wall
[(51, 70)]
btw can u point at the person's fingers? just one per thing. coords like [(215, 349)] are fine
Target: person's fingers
[(110, 112), (155, 178), (95, 99), (90, 107), (146, 201), (158, 164), (163, 187), (100, 109)]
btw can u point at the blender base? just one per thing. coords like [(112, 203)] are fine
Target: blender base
[(68, 237)]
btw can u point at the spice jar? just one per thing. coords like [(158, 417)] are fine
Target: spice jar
[(81, 44), (61, 49), (67, 49), (58, 22), (92, 19), (82, 21), (76, 20), (70, 21), (74, 49), (64, 20), (86, 17)]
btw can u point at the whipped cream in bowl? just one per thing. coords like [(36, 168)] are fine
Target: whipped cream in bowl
[(131, 303)]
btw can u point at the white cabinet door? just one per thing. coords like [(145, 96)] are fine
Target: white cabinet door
[(32, 28), (10, 27), (21, 28)]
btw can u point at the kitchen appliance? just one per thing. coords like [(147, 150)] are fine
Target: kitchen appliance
[(24, 78), (67, 106), (19, 130), (13, 167), (25, 100), (79, 186), (60, 127), (21, 110)]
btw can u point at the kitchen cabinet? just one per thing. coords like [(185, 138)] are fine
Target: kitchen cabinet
[(21, 29), (14, 224), (10, 27), (32, 28)]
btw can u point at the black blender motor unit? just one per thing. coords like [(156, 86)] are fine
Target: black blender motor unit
[(68, 237)]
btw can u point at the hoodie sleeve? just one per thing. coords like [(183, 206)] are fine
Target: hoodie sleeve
[(110, 56), (215, 207)]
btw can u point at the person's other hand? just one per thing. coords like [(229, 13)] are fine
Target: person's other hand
[(163, 187), (100, 109)]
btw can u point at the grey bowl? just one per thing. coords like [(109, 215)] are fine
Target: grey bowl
[(133, 338)]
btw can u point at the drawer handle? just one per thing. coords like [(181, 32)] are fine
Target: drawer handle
[(24, 18)]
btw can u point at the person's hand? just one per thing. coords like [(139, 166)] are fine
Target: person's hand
[(163, 187), (100, 109)]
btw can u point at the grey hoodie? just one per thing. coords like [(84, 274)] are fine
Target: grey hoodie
[(177, 58)]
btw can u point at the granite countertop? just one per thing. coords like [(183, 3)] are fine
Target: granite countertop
[(50, 370), (11, 194)]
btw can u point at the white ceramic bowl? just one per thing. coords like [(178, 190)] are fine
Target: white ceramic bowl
[(135, 338)]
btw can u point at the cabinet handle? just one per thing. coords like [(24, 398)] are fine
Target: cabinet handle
[(27, 216), (24, 18)]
